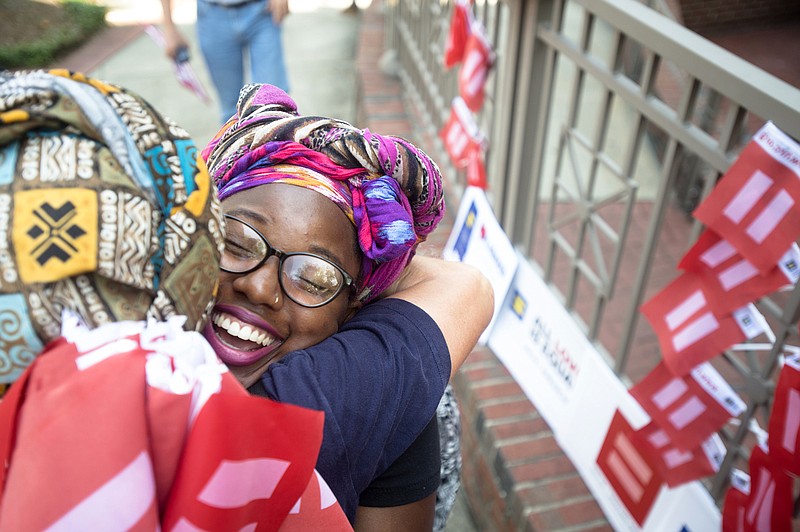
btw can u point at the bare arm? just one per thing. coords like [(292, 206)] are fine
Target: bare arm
[(173, 38), (457, 296), (407, 518), (278, 9)]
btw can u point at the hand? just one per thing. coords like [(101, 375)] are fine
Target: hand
[(278, 8), (173, 41)]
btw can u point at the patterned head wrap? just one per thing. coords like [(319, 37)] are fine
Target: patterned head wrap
[(388, 188), (106, 209)]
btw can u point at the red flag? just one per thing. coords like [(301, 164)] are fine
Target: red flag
[(461, 135), (460, 24), (755, 205), (730, 280), (690, 408), (476, 171), (769, 506), (317, 509), (478, 59), (784, 422), (735, 502), (677, 466), (689, 332), (630, 474)]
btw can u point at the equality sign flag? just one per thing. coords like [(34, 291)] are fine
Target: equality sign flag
[(478, 59), (688, 330), (729, 279), (735, 504), (689, 408), (632, 476), (457, 36), (678, 466), (755, 205), (769, 505), (784, 422), (461, 135)]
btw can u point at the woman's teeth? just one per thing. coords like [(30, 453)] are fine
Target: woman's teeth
[(242, 330)]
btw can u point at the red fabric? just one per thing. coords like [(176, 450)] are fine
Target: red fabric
[(478, 59), (735, 502), (461, 135), (635, 481), (674, 465), (476, 171), (90, 443), (784, 422), (457, 35), (729, 279), (316, 510), (755, 205), (688, 331), (769, 505), (680, 406)]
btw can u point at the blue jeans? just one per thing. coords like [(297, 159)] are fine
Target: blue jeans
[(229, 34)]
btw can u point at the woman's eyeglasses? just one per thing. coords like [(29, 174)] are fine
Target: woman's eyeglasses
[(307, 279)]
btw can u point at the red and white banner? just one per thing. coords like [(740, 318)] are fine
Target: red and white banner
[(457, 36), (478, 59), (755, 205), (461, 135), (688, 330), (632, 476), (784, 422), (735, 505), (769, 506), (677, 466), (140, 426), (690, 408), (729, 279)]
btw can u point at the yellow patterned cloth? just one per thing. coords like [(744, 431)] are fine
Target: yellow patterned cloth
[(106, 209)]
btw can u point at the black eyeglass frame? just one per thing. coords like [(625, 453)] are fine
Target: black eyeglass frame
[(282, 256)]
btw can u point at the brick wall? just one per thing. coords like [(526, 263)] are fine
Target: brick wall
[(515, 475), (707, 15)]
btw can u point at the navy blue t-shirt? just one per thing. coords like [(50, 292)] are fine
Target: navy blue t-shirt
[(378, 380)]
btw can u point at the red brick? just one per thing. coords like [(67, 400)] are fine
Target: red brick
[(536, 448), (554, 466), (513, 429), (511, 409), (509, 388), (553, 492), (581, 512)]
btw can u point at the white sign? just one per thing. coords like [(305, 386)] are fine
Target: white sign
[(478, 239)]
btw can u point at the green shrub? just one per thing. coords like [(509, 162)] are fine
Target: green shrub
[(82, 20)]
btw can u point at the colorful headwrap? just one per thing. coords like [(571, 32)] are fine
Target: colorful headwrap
[(388, 188), (106, 209)]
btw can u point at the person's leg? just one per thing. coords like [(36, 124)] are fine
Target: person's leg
[(220, 41), (267, 64)]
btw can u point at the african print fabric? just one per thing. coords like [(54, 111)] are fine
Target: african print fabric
[(106, 209)]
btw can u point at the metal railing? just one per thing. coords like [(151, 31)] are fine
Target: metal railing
[(608, 122)]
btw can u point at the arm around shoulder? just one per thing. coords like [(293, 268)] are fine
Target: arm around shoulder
[(457, 296)]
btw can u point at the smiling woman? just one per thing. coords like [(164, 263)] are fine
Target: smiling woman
[(323, 303)]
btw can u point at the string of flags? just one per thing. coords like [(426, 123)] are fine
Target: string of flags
[(747, 251), (467, 45)]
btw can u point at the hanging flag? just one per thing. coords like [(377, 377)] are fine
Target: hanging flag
[(633, 478), (769, 505), (476, 171), (755, 205), (677, 466), (729, 279), (461, 136), (478, 59), (690, 408), (688, 330), (734, 507), (460, 23), (784, 421)]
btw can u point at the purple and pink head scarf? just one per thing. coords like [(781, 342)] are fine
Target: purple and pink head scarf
[(389, 189)]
